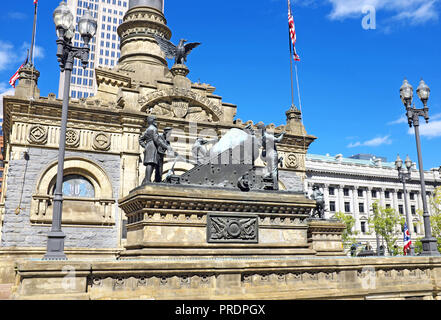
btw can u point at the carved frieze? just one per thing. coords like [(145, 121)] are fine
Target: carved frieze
[(101, 141), (291, 161), (38, 134), (72, 138), (227, 228)]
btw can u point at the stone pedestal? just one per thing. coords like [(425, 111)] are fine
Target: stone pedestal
[(173, 220)]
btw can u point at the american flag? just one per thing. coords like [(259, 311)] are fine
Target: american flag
[(407, 241), (16, 75), (292, 31)]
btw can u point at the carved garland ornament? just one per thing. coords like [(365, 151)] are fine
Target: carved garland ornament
[(225, 228)]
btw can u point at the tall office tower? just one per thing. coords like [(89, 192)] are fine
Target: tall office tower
[(104, 46)]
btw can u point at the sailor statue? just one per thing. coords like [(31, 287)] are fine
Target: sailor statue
[(270, 154)]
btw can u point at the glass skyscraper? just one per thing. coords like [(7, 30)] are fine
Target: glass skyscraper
[(104, 46)]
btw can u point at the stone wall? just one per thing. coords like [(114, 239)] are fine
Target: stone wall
[(233, 279), (291, 180), (22, 179)]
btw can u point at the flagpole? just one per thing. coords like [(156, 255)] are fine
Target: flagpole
[(290, 59), (298, 88), (31, 58)]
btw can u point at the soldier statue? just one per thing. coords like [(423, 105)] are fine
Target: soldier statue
[(317, 195), (155, 147), (270, 154)]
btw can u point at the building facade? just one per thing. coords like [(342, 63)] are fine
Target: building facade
[(1, 157), (103, 161), (105, 46), (352, 185)]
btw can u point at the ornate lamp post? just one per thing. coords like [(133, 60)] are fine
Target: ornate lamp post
[(413, 115), (66, 53), (404, 177)]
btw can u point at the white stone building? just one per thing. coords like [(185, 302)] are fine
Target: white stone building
[(105, 46), (352, 185)]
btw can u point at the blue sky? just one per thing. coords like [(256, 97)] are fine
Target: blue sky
[(349, 75)]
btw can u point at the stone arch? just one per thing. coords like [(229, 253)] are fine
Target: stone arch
[(77, 211), (174, 94), (81, 166)]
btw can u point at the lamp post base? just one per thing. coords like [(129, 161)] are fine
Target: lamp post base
[(430, 247), (55, 246)]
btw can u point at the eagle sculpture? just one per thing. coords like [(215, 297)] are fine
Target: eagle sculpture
[(179, 52)]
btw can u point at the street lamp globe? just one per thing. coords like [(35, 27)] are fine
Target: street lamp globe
[(63, 18), (68, 35), (423, 92), (87, 26), (406, 93), (398, 163), (408, 163)]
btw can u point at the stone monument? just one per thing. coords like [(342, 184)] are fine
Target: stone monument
[(231, 222)]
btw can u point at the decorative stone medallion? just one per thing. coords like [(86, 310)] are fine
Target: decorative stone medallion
[(101, 141), (291, 161), (229, 228), (38, 134), (72, 138)]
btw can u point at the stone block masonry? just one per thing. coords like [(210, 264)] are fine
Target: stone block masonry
[(18, 231)]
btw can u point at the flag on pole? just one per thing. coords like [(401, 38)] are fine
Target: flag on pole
[(292, 31), (35, 1), (16, 75), (407, 241)]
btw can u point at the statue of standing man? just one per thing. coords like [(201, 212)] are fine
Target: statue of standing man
[(155, 148)]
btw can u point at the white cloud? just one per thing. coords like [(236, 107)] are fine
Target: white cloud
[(429, 130), (39, 52), (376, 142), (424, 13), (402, 119), (12, 57), (413, 11), (15, 15), (7, 55), (5, 90)]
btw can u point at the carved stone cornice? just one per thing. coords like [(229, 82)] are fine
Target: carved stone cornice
[(113, 78)]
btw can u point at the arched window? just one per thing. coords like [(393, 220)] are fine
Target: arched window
[(87, 194), (78, 186)]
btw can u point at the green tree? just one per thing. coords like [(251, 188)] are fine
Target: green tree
[(349, 233), (435, 220), (388, 223), (435, 217)]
